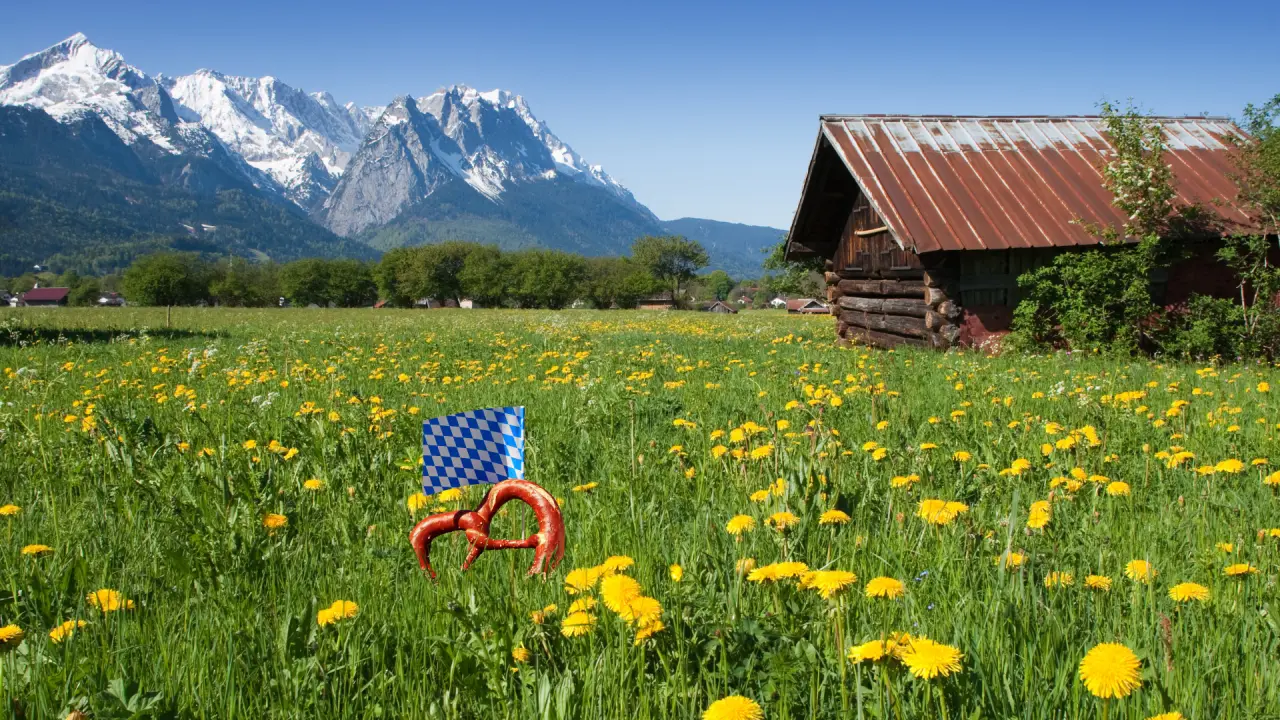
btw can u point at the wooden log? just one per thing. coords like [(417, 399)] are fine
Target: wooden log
[(831, 278), (897, 324), (935, 296), (880, 339), (882, 288), (884, 306), (949, 310)]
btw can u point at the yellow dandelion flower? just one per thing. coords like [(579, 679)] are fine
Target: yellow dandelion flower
[(11, 635), (314, 484), (1273, 480), (833, 517), (961, 456), (734, 707), (644, 632), (65, 630), (1039, 515), (108, 600), (927, 659), (578, 624), (739, 524), (37, 550), (1010, 560), (580, 580), (827, 583), (777, 571), (1175, 715), (586, 487), (1059, 579), (1186, 591), (675, 572), (582, 605), (744, 566), (9, 510), (274, 521), (885, 587), (1110, 670), (1118, 489), (940, 512), (1240, 570), (617, 591), (1231, 466), (1101, 583), (615, 564), (782, 520), (1140, 571), (520, 654), (339, 610)]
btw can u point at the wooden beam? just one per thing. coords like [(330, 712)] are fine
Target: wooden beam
[(883, 288), (885, 306), (897, 324)]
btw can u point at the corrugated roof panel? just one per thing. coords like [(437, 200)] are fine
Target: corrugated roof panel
[(974, 183)]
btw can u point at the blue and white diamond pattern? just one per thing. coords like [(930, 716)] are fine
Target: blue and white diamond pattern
[(472, 448)]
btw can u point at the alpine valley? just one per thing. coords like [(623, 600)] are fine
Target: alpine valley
[(101, 162)]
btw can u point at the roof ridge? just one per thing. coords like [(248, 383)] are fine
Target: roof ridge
[(894, 116)]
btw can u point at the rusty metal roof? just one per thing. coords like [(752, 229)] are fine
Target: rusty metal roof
[(982, 183)]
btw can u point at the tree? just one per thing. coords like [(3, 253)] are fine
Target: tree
[(85, 293), (616, 281), (351, 284), (671, 259), (305, 282), (794, 277), (546, 278), (167, 278), (433, 271), (240, 283), (390, 276), (484, 276), (719, 284)]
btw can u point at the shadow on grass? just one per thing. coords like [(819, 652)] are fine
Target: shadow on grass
[(59, 336)]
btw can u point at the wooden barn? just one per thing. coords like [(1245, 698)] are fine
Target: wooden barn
[(927, 222)]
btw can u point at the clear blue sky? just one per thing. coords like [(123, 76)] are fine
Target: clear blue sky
[(707, 109)]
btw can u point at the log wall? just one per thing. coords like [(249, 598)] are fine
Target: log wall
[(884, 295)]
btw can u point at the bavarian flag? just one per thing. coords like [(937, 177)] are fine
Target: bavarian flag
[(477, 447)]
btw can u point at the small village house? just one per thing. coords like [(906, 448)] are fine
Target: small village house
[(926, 223), (661, 301), (46, 297), (719, 306), (806, 306)]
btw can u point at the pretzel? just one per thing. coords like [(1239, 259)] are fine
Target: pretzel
[(548, 542)]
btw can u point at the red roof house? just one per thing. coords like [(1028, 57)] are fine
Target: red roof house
[(45, 297)]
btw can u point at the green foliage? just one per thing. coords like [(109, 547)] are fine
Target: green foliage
[(1258, 164), (719, 284), (545, 278), (305, 282), (1101, 299), (671, 259), (1204, 328), (797, 278), (616, 281), (85, 293), (167, 278), (240, 283)]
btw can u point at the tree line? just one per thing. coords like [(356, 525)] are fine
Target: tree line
[(448, 271)]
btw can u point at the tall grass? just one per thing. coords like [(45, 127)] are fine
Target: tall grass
[(225, 616)]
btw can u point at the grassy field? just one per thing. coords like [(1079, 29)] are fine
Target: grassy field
[(154, 462)]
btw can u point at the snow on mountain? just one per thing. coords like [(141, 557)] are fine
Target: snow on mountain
[(75, 76), (489, 109), (489, 140), (304, 141), (301, 145)]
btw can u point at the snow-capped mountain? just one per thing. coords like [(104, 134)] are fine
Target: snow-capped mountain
[(454, 164), (75, 76), (489, 140), (304, 141)]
